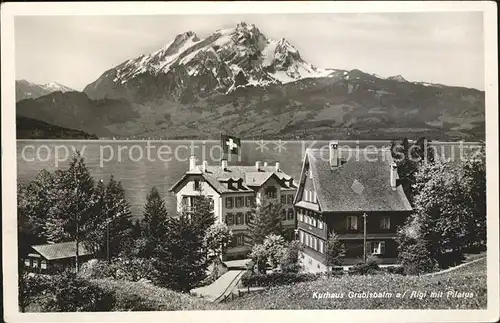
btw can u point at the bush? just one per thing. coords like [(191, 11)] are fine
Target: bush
[(277, 278), (449, 259), (121, 269), (416, 259), (398, 270), (370, 267), (290, 259), (73, 294)]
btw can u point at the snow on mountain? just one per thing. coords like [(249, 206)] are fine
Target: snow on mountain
[(54, 87), (398, 78), (28, 90), (235, 57)]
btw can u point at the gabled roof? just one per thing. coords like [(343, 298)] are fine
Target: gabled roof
[(61, 250), (217, 177), (360, 183)]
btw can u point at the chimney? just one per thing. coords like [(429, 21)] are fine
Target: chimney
[(205, 164), (224, 165), (393, 174), (265, 164), (278, 166), (334, 153), (257, 166), (192, 162)]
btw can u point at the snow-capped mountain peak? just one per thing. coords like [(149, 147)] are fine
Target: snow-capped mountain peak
[(234, 57), (398, 78), (28, 90), (54, 87)]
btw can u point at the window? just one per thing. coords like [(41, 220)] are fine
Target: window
[(320, 224), (229, 202), (289, 199), (352, 222), (248, 217), (283, 199), (321, 246), (314, 197), (230, 219), (301, 236), (377, 247), (314, 222), (27, 262), (314, 244), (248, 201), (43, 264), (239, 201), (197, 186), (35, 263), (290, 214), (306, 195), (283, 214), (271, 192), (385, 222), (239, 218), (299, 215), (240, 240)]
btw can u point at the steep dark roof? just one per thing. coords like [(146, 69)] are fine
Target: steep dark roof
[(360, 183), (61, 250), (217, 177)]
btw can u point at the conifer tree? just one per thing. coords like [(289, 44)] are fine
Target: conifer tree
[(153, 225), (116, 211), (75, 215), (181, 259), (265, 220)]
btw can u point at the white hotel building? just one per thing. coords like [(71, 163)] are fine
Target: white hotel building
[(234, 191)]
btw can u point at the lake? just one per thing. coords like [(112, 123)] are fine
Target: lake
[(140, 165)]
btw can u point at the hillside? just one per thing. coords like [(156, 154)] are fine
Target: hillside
[(74, 110), (27, 128), (467, 284), (240, 81)]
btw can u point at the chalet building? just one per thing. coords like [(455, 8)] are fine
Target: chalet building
[(337, 188), (234, 191), (54, 257)]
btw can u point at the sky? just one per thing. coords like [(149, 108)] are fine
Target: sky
[(437, 47)]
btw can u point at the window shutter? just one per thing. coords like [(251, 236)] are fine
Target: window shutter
[(382, 247)]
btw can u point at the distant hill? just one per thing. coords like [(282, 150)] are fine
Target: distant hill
[(28, 90), (74, 110), (27, 128)]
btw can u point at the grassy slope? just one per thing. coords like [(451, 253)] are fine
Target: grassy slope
[(143, 297), (135, 296), (470, 278)]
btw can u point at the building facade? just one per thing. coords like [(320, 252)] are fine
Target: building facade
[(234, 192), (338, 191)]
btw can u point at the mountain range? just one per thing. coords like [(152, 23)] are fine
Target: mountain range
[(240, 81)]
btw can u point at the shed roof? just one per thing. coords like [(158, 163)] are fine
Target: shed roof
[(61, 250)]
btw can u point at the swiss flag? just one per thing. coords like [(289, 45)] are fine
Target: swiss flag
[(230, 145)]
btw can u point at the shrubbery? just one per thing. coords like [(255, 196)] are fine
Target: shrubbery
[(69, 293), (123, 269), (370, 267)]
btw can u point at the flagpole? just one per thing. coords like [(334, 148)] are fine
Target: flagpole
[(224, 154)]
